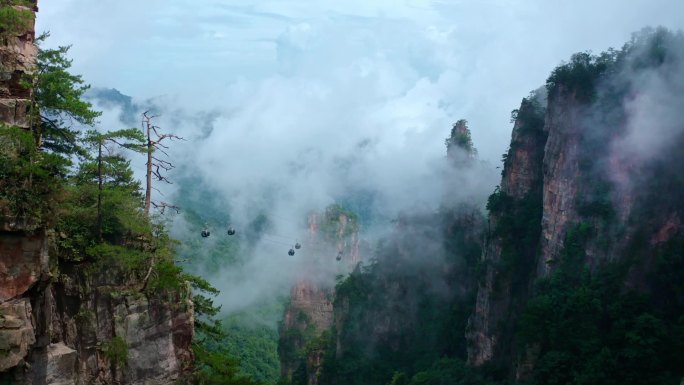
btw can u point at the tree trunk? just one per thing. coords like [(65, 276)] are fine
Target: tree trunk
[(99, 192), (148, 187)]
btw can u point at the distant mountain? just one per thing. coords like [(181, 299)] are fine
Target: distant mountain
[(111, 98)]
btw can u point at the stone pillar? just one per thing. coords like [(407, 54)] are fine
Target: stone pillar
[(23, 258), (17, 62)]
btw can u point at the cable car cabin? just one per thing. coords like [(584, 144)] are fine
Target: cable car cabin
[(339, 256), (298, 246), (205, 233), (291, 252), (231, 231)]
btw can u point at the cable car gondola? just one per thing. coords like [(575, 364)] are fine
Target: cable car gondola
[(231, 231), (339, 256), (291, 252), (205, 233), (298, 246)]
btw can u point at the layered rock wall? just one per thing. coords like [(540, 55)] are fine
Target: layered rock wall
[(522, 179), (332, 246), (17, 60), (564, 125), (60, 321)]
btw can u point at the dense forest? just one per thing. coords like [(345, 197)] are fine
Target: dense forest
[(609, 310)]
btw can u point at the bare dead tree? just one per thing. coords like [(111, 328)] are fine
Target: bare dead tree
[(156, 167)]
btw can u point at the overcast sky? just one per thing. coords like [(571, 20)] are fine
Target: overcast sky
[(288, 105), (470, 59)]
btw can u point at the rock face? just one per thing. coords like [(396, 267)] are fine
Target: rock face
[(581, 163), (60, 320), (16, 332), (24, 261), (17, 56), (310, 311), (310, 301), (521, 182), (58, 329), (522, 171), (564, 126), (537, 204), (307, 316)]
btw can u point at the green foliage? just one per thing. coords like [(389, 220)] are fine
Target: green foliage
[(597, 319), (126, 259), (116, 350), (581, 75), (331, 226), (129, 138), (98, 218), (460, 138), (59, 95), (589, 329), (297, 342), (597, 202), (400, 313), (21, 3), (14, 21), (287, 344), (84, 316), (238, 335), (399, 378), (531, 115), (214, 362), (215, 367), (498, 201), (448, 372), (119, 216), (518, 226), (254, 343), (29, 179)]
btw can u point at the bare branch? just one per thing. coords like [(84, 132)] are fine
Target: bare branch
[(162, 206), (160, 150), (168, 136), (156, 172), (155, 165), (162, 161)]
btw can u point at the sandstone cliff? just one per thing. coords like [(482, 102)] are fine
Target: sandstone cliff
[(507, 274), (332, 246), (582, 189), (17, 57), (69, 322), (410, 303), (578, 277)]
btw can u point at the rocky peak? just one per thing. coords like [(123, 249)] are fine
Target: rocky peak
[(522, 171), (460, 149)]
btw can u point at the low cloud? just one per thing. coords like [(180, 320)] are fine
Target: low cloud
[(288, 106)]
